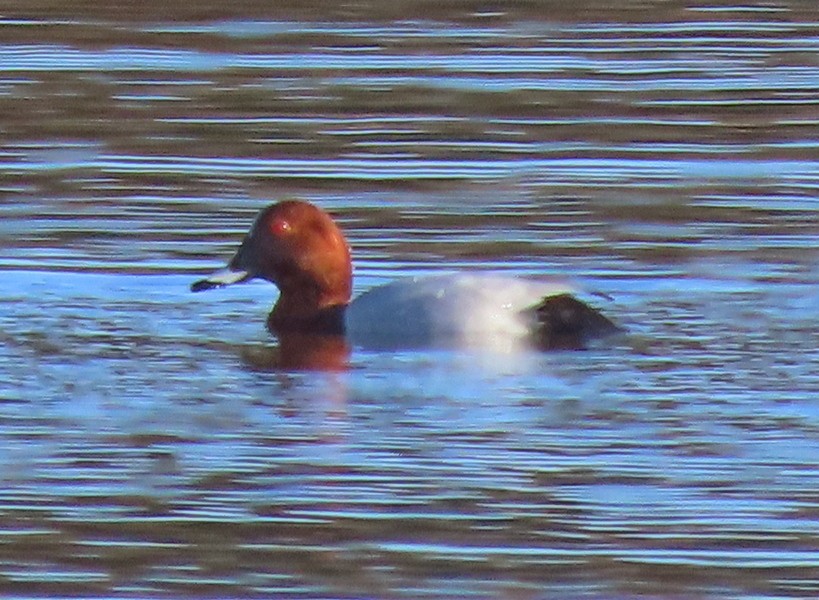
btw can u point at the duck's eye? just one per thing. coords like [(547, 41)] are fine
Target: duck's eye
[(280, 226)]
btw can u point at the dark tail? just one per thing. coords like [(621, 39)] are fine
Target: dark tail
[(566, 322)]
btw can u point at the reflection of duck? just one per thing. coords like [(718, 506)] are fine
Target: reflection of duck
[(298, 247), (299, 351)]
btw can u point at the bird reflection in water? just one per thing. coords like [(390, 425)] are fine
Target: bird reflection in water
[(300, 352)]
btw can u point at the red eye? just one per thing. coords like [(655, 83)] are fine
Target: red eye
[(280, 226)]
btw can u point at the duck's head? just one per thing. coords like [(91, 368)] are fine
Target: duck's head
[(298, 247)]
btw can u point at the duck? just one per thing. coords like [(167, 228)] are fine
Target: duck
[(297, 246)]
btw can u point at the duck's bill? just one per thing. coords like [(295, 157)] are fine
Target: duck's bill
[(221, 278)]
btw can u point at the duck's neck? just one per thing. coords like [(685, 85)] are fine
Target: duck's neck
[(304, 314)]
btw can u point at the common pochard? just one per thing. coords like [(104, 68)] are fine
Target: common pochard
[(298, 247)]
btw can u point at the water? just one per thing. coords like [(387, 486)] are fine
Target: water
[(151, 445)]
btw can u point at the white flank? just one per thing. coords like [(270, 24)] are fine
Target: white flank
[(481, 310)]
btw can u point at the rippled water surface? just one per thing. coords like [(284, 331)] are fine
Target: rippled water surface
[(153, 443)]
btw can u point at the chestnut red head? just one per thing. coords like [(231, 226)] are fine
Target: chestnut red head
[(298, 247)]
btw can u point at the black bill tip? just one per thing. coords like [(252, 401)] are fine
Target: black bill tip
[(204, 284)]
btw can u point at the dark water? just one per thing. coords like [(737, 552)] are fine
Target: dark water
[(665, 153)]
